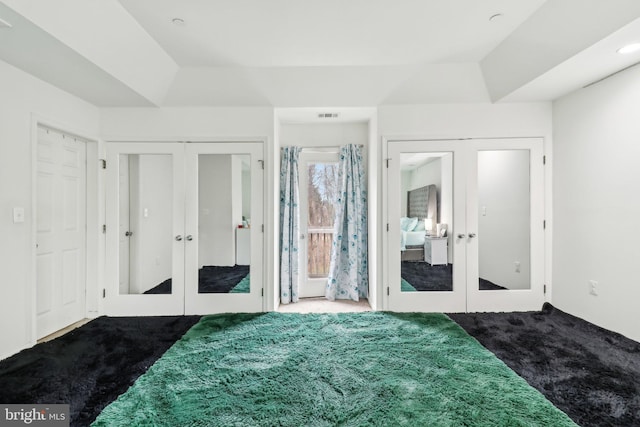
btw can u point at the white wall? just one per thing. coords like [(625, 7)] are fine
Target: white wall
[(24, 96), (504, 223), (246, 194), (323, 135), (596, 204), (466, 121)]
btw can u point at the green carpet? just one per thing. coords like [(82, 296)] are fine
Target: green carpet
[(406, 286), (364, 369), (243, 286)]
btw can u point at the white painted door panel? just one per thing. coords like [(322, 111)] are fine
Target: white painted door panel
[(61, 231)]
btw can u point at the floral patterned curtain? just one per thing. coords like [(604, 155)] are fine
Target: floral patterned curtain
[(289, 224), (348, 271)]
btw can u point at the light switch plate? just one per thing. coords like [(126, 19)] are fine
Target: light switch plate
[(18, 215)]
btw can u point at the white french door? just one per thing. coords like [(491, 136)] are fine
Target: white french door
[(214, 212), (490, 198), (318, 191), (61, 231), (173, 212)]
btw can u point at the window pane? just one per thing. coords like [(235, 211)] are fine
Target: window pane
[(323, 192)]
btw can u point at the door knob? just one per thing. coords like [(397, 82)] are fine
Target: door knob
[(461, 236), (128, 233), (189, 237), (472, 235), (179, 238), (302, 236)]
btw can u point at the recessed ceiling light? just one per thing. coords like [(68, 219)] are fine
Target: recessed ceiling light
[(630, 48), (495, 17), (5, 24), (179, 22)]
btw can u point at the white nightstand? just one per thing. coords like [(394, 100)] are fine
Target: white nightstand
[(435, 250)]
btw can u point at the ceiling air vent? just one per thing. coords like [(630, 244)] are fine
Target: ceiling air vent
[(327, 115)]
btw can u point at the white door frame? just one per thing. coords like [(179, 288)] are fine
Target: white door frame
[(474, 300)]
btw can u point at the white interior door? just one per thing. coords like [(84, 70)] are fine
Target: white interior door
[(505, 232), (318, 192), (491, 200), (224, 263), (155, 199), (414, 284), (61, 231)]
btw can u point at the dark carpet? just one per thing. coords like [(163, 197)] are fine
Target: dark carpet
[(212, 279), (590, 373), (90, 366), (425, 277)]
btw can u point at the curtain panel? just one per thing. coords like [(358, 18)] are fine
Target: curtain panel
[(289, 224), (348, 271)]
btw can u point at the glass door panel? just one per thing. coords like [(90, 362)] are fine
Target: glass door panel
[(224, 227), (145, 216), (426, 210), (318, 195), (504, 224), (145, 228)]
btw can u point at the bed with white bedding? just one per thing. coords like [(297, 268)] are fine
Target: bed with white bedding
[(421, 203)]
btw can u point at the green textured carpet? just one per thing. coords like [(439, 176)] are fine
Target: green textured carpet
[(364, 369), (243, 286), (406, 286)]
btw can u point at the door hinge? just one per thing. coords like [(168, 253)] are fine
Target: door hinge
[(387, 291), (104, 228), (388, 163), (261, 163), (544, 160), (544, 289), (262, 292), (104, 293), (104, 163), (387, 226), (262, 227), (544, 224)]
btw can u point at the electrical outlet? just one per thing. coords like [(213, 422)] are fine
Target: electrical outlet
[(593, 287), (517, 264)]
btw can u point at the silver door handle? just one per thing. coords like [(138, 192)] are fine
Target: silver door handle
[(302, 236), (189, 237), (461, 236), (179, 238), (472, 235)]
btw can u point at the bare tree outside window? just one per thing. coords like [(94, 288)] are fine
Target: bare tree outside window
[(323, 193)]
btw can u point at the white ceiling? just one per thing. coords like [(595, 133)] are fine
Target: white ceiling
[(334, 53)]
